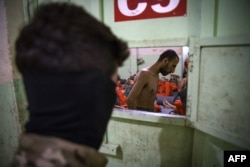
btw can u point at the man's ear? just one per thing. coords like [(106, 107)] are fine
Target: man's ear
[(166, 60)]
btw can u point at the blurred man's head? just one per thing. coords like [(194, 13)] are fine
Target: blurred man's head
[(169, 60), (64, 37)]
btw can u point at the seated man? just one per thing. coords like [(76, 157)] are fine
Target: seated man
[(177, 105)]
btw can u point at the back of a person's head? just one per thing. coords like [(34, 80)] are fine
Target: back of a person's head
[(170, 54), (64, 37)]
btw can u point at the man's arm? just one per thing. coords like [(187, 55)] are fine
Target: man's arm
[(136, 90)]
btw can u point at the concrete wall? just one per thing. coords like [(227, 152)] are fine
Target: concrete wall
[(15, 22), (149, 139), (208, 150), (10, 126)]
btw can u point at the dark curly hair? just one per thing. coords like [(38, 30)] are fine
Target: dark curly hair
[(64, 37)]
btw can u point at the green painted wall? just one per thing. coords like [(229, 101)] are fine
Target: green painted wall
[(21, 102), (15, 22), (149, 140), (208, 150), (11, 94), (9, 129), (15, 17), (151, 30)]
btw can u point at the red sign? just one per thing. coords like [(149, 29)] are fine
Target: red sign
[(144, 9)]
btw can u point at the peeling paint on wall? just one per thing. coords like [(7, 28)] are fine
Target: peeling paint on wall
[(224, 90), (5, 63), (10, 127)]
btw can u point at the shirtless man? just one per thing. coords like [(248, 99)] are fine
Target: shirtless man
[(143, 94)]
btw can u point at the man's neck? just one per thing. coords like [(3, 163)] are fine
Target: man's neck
[(155, 69)]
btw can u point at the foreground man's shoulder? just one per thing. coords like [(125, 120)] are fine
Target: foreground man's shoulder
[(144, 71)]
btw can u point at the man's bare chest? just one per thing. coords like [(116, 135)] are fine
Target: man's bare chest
[(151, 87)]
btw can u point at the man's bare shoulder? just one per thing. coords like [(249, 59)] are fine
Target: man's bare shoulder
[(144, 72), (148, 73)]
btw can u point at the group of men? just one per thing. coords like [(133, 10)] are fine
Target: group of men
[(144, 92)]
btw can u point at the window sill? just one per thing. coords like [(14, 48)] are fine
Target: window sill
[(152, 117)]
